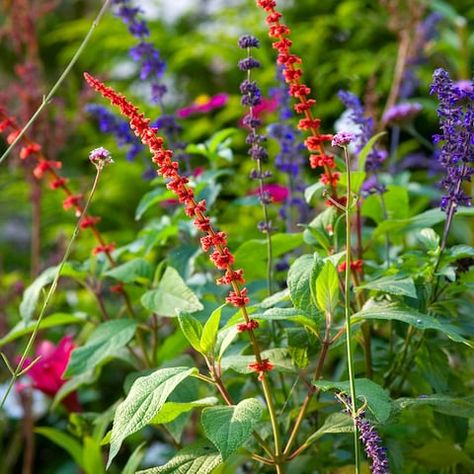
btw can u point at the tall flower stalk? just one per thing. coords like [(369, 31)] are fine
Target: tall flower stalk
[(251, 97), (221, 256)]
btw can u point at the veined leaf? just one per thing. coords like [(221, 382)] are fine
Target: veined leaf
[(209, 331), (392, 285), (104, 342), (452, 406), (65, 441), (172, 296), (192, 330), (335, 423), (171, 410), (229, 427), (136, 269), (327, 289), (144, 401)]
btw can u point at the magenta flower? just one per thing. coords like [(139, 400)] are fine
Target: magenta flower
[(276, 192), (342, 139), (47, 372), (402, 113), (204, 104)]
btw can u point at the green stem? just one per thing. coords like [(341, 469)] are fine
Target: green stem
[(52, 289), (347, 303), (63, 76)]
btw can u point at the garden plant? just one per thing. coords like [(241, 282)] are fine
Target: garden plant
[(236, 237)]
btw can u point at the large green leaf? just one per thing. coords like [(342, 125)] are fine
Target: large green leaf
[(151, 198), (144, 401), (103, 343), (335, 423), (240, 363), (171, 410), (54, 320), (393, 285), (453, 406), (400, 312), (327, 289), (292, 315), (137, 269), (198, 458), (229, 427), (65, 441), (134, 460), (171, 296), (378, 400), (302, 272), (209, 331), (192, 330), (362, 158)]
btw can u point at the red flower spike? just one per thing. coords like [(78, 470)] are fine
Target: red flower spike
[(267, 5), (288, 59), (330, 179), (28, 150), (275, 31), (356, 265), (206, 243), (313, 143), (231, 276), (283, 45), (107, 248), (45, 165), (238, 300), (261, 368), (291, 75), (308, 124), (117, 288), (4, 124), (304, 106), (222, 259), (72, 201), (57, 183), (273, 17), (89, 221), (322, 160), (203, 224), (299, 90), (12, 136), (250, 326)]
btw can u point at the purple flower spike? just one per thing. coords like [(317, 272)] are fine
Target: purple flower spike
[(248, 41), (248, 63), (342, 139), (456, 117), (402, 113)]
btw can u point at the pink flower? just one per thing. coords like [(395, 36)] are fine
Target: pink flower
[(204, 104), (47, 372), (277, 192)]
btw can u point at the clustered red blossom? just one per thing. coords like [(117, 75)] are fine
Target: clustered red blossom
[(292, 75), (356, 266), (44, 167), (221, 256)]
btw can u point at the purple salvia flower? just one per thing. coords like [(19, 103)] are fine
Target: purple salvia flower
[(248, 63), (342, 139), (366, 129), (402, 113), (456, 116)]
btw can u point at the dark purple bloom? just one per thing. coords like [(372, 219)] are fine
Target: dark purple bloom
[(151, 66), (248, 63), (248, 41), (128, 15), (251, 94), (366, 129), (456, 116)]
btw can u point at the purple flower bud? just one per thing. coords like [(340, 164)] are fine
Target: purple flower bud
[(248, 63), (100, 157), (248, 41), (401, 113), (342, 139)]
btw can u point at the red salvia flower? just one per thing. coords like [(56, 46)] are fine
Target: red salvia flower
[(28, 150), (106, 248), (250, 326), (322, 160), (58, 183), (231, 276), (45, 165), (330, 179), (72, 201), (222, 258), (238, 299), (89, 221), (12, 136), (308, 124), (356, 265), (4, 124), (261, 367)]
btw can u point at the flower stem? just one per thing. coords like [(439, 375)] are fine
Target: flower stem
[(51, 291), (63, 76), (347, 309)]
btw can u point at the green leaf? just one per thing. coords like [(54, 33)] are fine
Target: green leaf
[(366, 150), (33, 293), (171, 296), (327, 289), (393, 285), (292, 315), (137, 269), (92, 456), (54, 320), (103, 343), (240, 363), (209, 331), (134, 460), (452, 406), (219, 137), (151, 198), (442, 456), (299, 277), (357, 180), (192, 330), (198, 458), (400, 312), (71, 385), (315, 189), (334, 423), (224, 340), (171, 410), (65, 441), (429, 238), (378, 400), (229, 427), (144, 401)]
